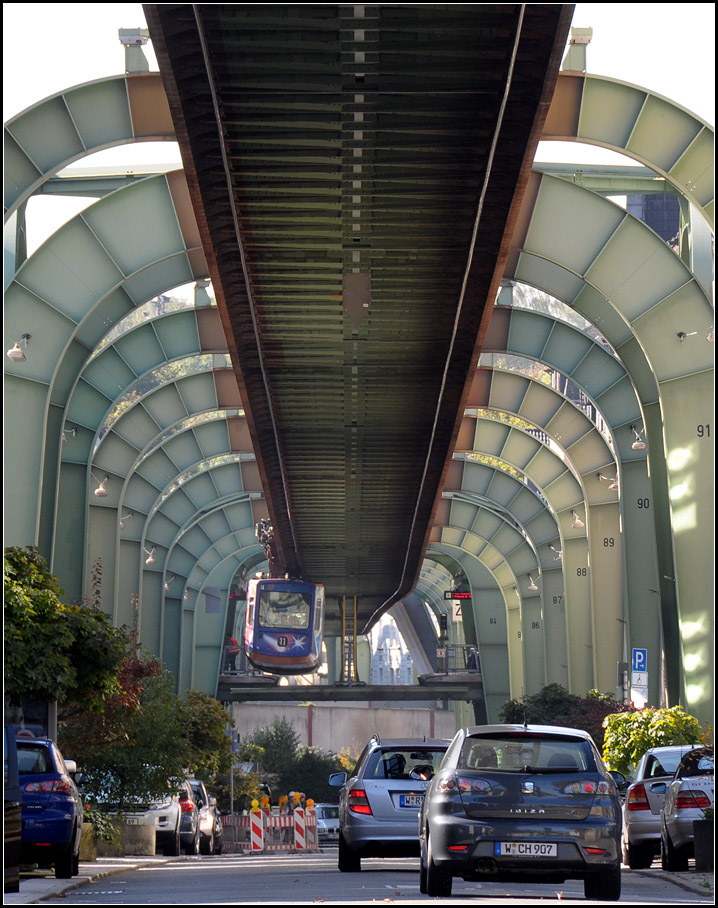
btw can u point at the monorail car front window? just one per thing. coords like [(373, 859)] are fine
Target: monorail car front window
[(284, 609)]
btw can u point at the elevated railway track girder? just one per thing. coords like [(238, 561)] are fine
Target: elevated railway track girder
[(355, 171)]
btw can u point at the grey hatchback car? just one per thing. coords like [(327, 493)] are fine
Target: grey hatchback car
[(522, 803), (379, 804)]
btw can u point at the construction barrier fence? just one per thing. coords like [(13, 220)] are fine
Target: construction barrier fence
[(263, 831)]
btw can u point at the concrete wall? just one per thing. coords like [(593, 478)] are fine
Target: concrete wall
[(349, 726)]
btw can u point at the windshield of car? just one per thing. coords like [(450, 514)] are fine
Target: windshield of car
[(328, 813), (526, 753), (696, 763), (399, 763), (33, 759)]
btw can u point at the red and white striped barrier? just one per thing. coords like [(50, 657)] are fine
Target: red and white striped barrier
[(300, 836), (256, 831), (267, 832)]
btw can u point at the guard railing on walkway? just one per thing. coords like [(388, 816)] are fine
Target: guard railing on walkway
[(264, 831)]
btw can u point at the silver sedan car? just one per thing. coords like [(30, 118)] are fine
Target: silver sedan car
[(522, 803), (691, 792), (641, 840), (379, 804)]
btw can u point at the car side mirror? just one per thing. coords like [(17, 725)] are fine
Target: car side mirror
[(659, 787), (80, 778), (337, 779), (213, 802), (421, 775)]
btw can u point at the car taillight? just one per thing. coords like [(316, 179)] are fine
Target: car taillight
[(448, 783), (637, 799), (59, 786), (187, 805), (358, 802), (466, 785), (691, 799), (587, 787)]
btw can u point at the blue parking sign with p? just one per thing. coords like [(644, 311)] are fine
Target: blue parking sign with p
[(640, 660)]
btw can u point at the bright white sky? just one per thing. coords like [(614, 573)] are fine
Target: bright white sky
[(668, 48)]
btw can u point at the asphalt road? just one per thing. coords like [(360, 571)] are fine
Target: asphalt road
[(314, 878)]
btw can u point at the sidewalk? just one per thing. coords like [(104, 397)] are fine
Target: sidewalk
[(43, 885)]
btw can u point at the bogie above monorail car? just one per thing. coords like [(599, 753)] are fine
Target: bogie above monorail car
[(284, 623)]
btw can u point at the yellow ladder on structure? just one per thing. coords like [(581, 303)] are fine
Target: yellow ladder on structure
[(349, 643)]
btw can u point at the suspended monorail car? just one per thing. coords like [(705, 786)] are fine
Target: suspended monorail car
[(284, 623)]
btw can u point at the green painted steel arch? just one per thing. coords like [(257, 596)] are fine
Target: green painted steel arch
[(603, 378), (81, 120), (625, 280), (83, 279), (641, 124)]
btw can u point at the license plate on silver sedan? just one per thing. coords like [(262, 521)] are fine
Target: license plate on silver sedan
[(525, 849), (411, 800)]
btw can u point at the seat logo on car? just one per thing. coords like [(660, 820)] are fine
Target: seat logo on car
[(527, 787)]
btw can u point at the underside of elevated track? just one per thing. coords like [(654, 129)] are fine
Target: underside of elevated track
[(426, 361)]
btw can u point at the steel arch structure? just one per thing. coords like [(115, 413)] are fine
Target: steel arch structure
[(142, 240)]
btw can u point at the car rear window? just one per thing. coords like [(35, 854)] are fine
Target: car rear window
[(526, 752), (694, 763), (398, 763), (34, 759), (666, 765)]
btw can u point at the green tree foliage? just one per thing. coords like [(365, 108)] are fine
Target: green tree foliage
[(296, 767), (138, 744), (554, 705), (207, 732), (145, 736), (629, 735), (54, 651), (310, 774), (246, 783), (280, 743)]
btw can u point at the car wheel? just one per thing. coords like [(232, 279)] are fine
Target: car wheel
[(64, 863), (637, 857), (604, 886), (193, 847), (206, 844), (671, 859), (349, 861), (422, 873), (438, 879), (174, 846)]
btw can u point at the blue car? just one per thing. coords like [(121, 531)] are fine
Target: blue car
[(51, 808)]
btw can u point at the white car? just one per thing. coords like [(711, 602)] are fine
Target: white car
[(641, 837), (689, 795), (166, 816), (164, 813), (327, 823)]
